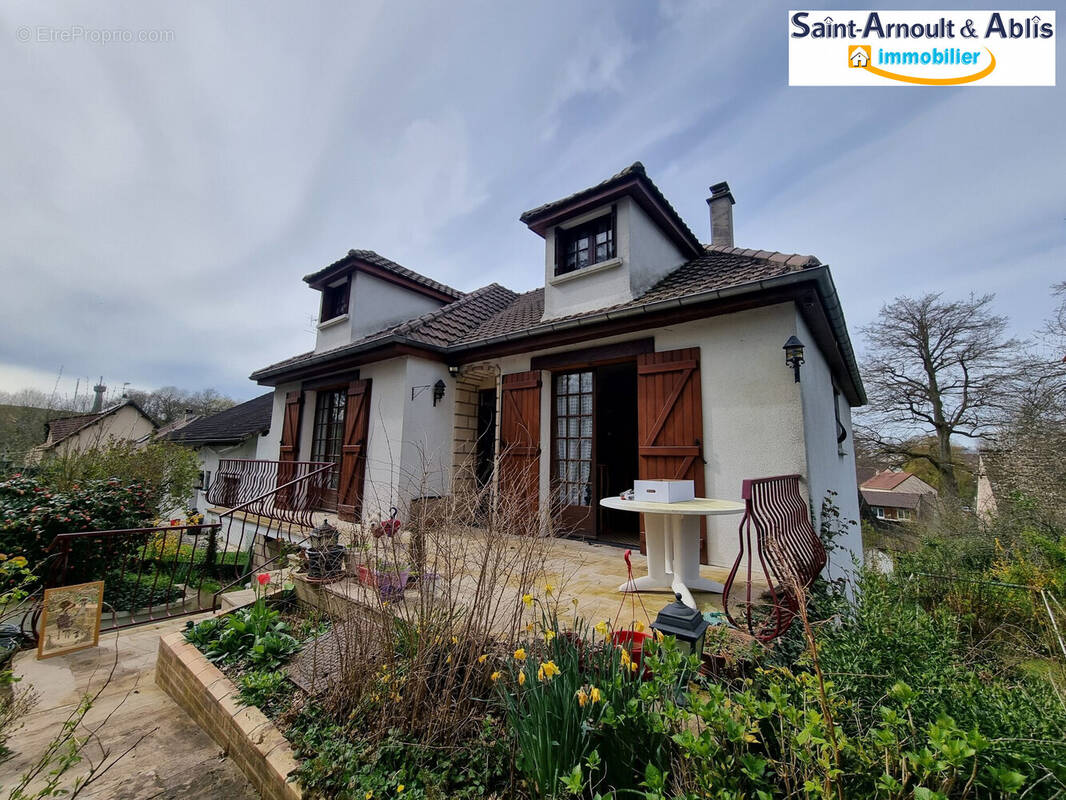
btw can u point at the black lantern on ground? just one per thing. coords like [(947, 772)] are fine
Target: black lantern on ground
[(325, 558), (685, 624), (794, 355), (438, 392)]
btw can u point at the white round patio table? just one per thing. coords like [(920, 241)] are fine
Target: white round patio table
[(672, 537)]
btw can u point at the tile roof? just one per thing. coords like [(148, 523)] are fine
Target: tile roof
[(494, 310), (438, 328), (886, 480), (885, 499), (370, 257), (718, 268), (633, 171), (231, 425), (62, 428)]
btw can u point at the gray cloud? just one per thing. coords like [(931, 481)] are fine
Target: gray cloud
[(163, 199)]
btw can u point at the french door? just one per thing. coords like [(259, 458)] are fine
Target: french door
[(573, 453)]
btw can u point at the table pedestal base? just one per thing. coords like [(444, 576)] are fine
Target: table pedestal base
[(673, 544)]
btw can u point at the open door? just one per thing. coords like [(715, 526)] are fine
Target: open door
[(670, 422), (353, 452), (520, 441)]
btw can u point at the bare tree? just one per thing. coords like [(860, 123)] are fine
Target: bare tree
[(937, 368), (169, 403)]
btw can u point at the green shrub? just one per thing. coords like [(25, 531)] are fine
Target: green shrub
[(254, 637), (339, 763), (268, 690), (33, 513)]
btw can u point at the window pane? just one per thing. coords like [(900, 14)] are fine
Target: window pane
[(586, 403), (560, 383), (586, 448), (560, 406), (586, 381), (573, 450), (575, 427), (574, 381), (586, 426), (573, 405)]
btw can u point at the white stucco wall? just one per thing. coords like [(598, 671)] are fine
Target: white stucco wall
[(427, 431), (384, 460), (829, 466), (126, 424), (209, 456), (373, 304), (269, 446), (643, 255)]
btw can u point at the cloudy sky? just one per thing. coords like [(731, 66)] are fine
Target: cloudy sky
[(162, 200)]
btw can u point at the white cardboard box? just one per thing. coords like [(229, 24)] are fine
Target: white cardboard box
[(664, 491)]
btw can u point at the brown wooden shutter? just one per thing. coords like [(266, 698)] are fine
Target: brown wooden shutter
[(670, 421), (353, 452), (520, 440), (290, 446)]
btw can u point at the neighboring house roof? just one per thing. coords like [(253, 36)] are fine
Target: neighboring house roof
[(885, 499), (62, 428), (230, 426), (176, 425), (356, 257), (886, 481)]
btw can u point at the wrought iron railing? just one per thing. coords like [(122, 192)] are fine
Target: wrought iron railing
[(166, 571), (281, 490)]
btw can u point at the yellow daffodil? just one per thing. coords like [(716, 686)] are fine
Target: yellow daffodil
[(529, 627), (455, 640), (632, 666), (18, 561), (638, 626), (659, 636), (594, 695), (549, 669), (528, 600), (368, 795), (521, 678), (481, 658), (399, 788), (582, 697), (520, 654), (626, 660), (548, 589), (601, 628), (495, 676), (540, 674), (549, 635), (448, 660)]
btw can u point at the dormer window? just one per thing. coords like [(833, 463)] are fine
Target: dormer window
[(586, 244), (334, 301)]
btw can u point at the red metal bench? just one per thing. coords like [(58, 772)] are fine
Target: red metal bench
[(788, 550)]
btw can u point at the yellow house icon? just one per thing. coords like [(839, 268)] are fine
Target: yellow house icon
[(859, 55)]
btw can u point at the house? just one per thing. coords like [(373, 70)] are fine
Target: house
[(894, 496), (644, 354), (233, 434), (123, 422), (859, 57)]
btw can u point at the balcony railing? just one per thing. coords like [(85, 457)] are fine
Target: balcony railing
[(287, 491)]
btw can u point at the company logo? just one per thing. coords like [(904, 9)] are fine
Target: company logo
[(924, 48)]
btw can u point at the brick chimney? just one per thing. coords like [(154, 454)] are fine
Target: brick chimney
[(721, 202)]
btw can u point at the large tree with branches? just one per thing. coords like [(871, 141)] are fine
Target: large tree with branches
[(936, 368)]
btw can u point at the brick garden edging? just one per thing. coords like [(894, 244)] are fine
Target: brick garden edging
[(243, 732)]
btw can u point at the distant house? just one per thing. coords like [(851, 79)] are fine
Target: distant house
[(893, 496), (124, 422), (233, 433)]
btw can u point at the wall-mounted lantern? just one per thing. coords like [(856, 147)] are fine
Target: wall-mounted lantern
[(794, 355), (453, 370), (438, 392)]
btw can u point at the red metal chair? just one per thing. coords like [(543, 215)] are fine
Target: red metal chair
[(788, 550)]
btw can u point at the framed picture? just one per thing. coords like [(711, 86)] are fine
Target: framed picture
[(70, 619)]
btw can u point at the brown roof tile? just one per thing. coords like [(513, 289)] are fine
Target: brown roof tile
[(891, 499), (370, 257), (886, 480)]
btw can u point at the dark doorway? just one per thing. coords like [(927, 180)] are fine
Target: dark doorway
[(616, 448), (486, 437)]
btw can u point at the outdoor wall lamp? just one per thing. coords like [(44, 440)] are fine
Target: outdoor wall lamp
[(794, 355), (453, 370), (438, 392)]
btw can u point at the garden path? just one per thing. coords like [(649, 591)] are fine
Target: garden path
[(175, 759)]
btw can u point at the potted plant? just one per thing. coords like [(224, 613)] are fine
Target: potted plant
[(390, 579)]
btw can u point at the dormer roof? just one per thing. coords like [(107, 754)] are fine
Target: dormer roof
[(373, 264), (634, 182)]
